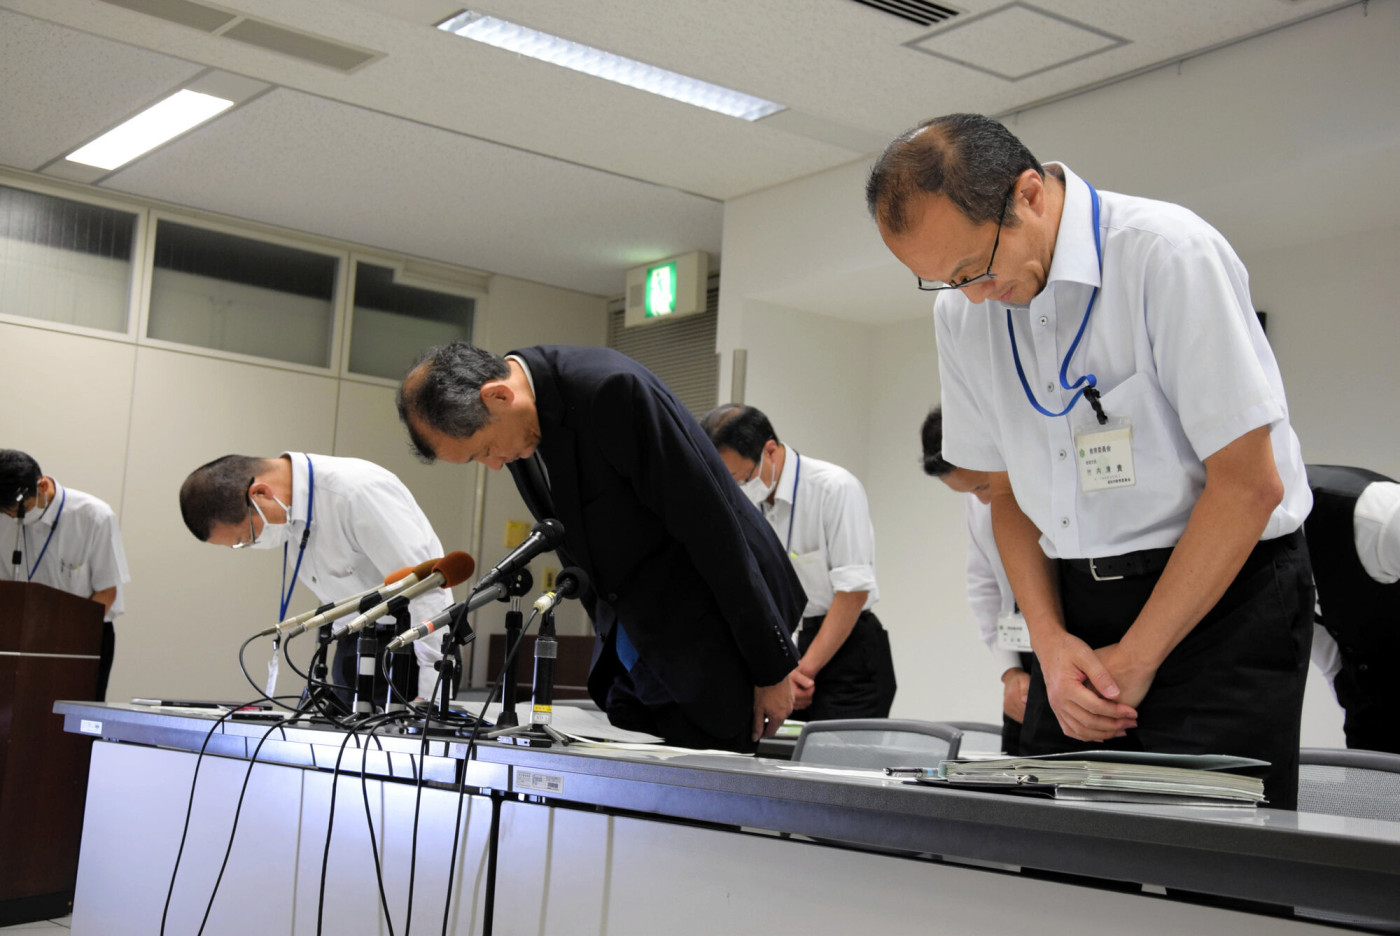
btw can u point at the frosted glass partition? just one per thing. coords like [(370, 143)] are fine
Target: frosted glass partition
[(392, 322), (65, 261), (229, 293)]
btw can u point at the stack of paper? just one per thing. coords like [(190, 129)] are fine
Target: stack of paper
[(1122, 776)]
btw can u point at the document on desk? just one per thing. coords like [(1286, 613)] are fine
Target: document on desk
[(578, 724), (1118, 776)]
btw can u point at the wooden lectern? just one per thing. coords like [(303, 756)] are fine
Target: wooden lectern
[(49, 646)]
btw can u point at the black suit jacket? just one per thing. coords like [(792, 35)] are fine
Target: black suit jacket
[(673, 548)]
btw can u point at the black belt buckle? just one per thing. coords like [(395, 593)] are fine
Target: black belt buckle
[(1093, 570)]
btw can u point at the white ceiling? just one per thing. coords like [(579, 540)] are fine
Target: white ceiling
[(455, 151)]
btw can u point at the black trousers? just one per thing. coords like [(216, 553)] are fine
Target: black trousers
[(1010, 728), (1234, 685), (1372, 727), (666, 720), (858, 682)]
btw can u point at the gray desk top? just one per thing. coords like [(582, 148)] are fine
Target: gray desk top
[(1330, 863)]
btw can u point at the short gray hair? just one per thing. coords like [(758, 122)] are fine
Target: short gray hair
[(446, 395)]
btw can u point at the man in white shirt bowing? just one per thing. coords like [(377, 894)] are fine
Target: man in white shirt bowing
[(989, 596), (1099, 354), (343, 524), (821, 516), (67, 540)]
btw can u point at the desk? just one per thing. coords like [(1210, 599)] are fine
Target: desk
[(586, 841)]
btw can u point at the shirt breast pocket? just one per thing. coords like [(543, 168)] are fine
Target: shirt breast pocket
[(1165, 463)]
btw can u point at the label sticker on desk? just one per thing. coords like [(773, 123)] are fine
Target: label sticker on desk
[(88, 726), (539, 782)]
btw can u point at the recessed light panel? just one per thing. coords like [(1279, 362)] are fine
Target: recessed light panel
[(574, 55), (158, 123)]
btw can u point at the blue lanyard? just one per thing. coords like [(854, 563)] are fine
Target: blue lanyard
[(286, 593), (53, 529), (1086, 384), (796, 476)]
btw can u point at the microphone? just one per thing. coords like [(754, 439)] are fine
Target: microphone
[(570, 583), (441, 620), (452, 569), (545, 536), (310, 620)]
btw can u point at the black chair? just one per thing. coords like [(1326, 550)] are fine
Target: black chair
[(877, 743), (1344, 782)]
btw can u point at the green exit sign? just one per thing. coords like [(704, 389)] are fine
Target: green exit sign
[(661, 290)]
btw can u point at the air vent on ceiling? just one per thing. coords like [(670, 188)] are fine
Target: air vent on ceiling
[(915, 11), (309, 48), (184, 12)]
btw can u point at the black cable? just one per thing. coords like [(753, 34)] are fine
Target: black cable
[(418, 805), (369, 821), (256, 688), (237, 812), (189, 810), (466, 763), (330, 828)]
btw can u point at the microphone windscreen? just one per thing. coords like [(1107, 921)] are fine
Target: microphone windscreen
[(393, 577), (456, 568)]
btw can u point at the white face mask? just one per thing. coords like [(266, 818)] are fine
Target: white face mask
[(754, 488), (273, 534), (36, 513)]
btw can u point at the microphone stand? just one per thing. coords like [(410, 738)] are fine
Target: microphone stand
[(539, 733), (460, 632), (519, 584), (17, 557), (319, 692)]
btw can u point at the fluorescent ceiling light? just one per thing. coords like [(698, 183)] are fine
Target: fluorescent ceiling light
[(150, 128), (600, 64)]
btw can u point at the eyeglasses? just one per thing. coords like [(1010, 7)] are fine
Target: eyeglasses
[(936, 286), (252, 537)]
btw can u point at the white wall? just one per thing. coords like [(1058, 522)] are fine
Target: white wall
[(1288, 143)]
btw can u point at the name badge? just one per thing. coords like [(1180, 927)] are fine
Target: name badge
[(1105, 455), (1013, 634)]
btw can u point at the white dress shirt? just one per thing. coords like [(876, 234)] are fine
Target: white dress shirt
[(1176, 347), (1376, 528), (365, 526), (85, 555), (828, 535), (988, 589)]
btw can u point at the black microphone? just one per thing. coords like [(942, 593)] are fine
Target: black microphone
[(570, 583), (17, 557), (546, 655), (444, 618), (545, 536)]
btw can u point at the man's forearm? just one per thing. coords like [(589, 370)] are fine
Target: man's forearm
[(837, 625), (1028, 569), (1241, 491)]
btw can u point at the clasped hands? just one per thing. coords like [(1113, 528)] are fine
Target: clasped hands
[(1094, 693)]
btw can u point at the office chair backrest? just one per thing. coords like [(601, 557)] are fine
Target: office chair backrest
[(876, 743), (978, 738), (1362, 784)]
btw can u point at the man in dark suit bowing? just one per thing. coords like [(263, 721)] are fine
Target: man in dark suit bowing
[(692, 598)]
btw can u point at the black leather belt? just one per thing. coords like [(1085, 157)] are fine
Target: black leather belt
[(1128, 565)]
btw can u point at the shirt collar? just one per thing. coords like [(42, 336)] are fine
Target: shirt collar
[(787, 481), (526, 368), (50, 513), (301, 483), (1076, 260)]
